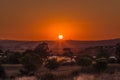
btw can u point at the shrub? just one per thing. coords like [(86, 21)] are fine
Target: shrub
[(112, 60), (83, 61), (52, 64), (42, 50), (118, 52), (31, 63), (103, 53), (14, 57), (101, 65)]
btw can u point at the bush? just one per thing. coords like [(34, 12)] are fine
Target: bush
[(112, 60), (14, 58), (83, 61), (52, 64), (31, 63), (101, 65), (42, 50), (103, 53), (118, 52)]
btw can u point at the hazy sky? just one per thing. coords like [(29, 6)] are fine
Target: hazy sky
[(46, 19)]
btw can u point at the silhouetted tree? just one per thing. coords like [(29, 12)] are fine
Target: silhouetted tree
[(42, 50), (1, 51), (103, 53), (8, 52), (28, 51), (112, 60), (3, 58), (68, 53), (52, 64), (118, 52), (31, 62), (14, 58), (83, 61), (101, 65)]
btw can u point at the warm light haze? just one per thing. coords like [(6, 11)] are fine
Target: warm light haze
[(46, 19)]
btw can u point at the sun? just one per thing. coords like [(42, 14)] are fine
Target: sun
[(60, 37)]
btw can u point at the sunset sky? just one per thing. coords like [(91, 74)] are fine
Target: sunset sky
[(46, 19)]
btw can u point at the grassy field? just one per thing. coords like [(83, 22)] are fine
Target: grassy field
[(12, 70), (65, 73)]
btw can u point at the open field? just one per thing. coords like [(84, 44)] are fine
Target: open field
[(65, 73)]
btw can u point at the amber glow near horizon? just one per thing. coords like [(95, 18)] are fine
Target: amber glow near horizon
[(46, 19), (58, 26)]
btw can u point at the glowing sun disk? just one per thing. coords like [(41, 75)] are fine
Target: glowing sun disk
[(60, 37)]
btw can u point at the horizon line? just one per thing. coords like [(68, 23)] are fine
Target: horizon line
[(57, 40)]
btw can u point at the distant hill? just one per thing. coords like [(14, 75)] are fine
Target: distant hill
[(54, 45)]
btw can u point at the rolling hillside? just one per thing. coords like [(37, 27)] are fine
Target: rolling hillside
[(54, 45)]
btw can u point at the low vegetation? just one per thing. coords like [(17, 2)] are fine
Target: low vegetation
[(2, 72), (34, 61)]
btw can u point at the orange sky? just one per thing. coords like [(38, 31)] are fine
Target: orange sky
[(46, 19)]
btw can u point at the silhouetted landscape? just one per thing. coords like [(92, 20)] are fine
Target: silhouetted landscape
[(59, 39), (75, 44), (47, 60)]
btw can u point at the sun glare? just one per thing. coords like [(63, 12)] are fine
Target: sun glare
[(60, 37)]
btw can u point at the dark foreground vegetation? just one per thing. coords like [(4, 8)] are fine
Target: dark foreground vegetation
[(41, 63)]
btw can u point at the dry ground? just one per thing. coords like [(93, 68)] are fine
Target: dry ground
[(64, 73)]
